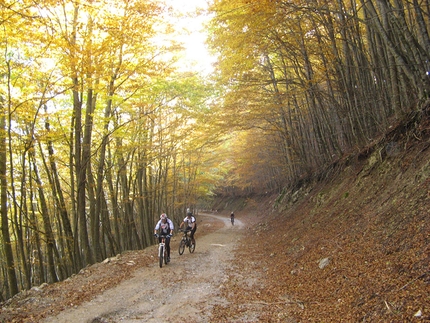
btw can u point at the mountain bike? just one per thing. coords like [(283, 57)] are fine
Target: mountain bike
[(232, 220), (186, 242), (162, 251)]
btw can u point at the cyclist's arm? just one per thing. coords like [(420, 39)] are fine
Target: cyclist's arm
[(171, 226)]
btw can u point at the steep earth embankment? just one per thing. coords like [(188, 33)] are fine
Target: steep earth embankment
[(352, 247)]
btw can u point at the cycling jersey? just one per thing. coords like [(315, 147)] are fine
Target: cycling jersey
[(165, 227), (189, 222)]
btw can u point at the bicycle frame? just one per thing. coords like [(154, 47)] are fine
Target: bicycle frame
[(186, 242), (162, 252)]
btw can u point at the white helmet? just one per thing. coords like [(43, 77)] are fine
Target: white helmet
[(163, 216)]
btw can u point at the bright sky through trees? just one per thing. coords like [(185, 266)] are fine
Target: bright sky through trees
[(191, 27)]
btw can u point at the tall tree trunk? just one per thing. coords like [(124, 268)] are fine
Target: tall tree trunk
[(100, 198), (423, 27), (78, 192), (282, 123), (400, 61), (94, 253), (7, 244), (117, 219), (85, 166), (49, 235), (146, 220), (114, 247), (19, 225), (40, 268), (60, 201)]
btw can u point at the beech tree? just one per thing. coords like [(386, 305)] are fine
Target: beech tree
[(97, 124), (318, 78)]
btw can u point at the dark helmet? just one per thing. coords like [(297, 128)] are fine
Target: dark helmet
[(189, 214)]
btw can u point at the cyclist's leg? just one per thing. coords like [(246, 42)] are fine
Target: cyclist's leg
[(168, 247), (192, 234)]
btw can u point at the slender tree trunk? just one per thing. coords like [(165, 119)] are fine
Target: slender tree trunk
[(141, 201), (283, 126), (400, 61), (19, 225), (115, 204), (100, 198), (94, 253), (60, 201), (423, 27), (78, 193), (114, 247), (85, 167), (7, 244), (39, 266), (49, 235)]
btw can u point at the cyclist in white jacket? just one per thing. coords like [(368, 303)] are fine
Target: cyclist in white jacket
[(165, 227), (191, 223)]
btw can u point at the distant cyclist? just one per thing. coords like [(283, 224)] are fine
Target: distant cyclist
[(232, 218), (165, 227), (191, 224)]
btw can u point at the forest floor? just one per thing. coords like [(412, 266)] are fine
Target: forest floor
[(351, 247)]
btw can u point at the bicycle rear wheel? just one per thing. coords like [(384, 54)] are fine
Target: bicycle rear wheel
[(181, 246), (161, 256)]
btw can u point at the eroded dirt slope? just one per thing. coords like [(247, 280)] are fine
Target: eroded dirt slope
[(354, 247)]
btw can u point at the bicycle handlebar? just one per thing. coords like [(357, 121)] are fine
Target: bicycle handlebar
[(162, 236)]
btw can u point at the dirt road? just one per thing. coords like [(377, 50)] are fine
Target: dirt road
[(184, 290)]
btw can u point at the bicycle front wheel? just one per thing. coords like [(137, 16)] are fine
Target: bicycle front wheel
[(192, 246), (161, 256), (181, 246)]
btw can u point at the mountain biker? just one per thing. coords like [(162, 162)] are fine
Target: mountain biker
[(166, 227), (232, 217), (191, 223)]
